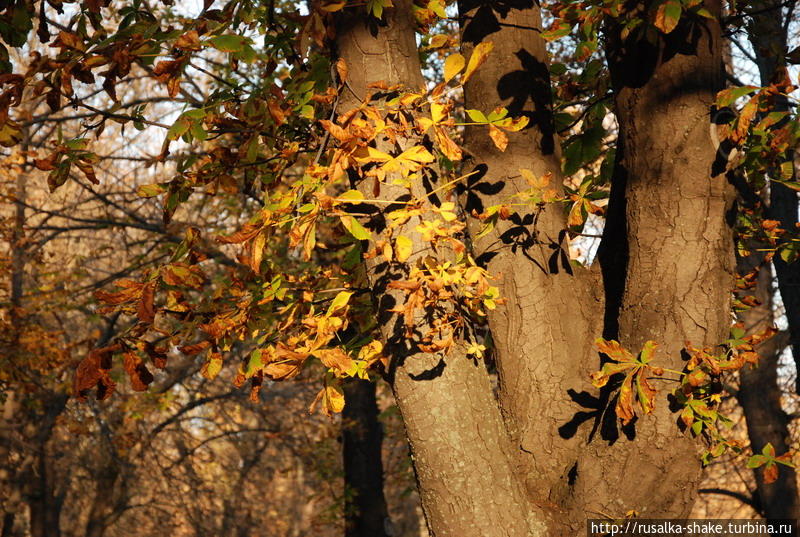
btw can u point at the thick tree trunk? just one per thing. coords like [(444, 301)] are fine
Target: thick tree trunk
[(365, 505), (544, 333), (461, 453), (679, 267)]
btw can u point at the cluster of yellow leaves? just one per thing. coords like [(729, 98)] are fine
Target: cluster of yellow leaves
[(393, 139)]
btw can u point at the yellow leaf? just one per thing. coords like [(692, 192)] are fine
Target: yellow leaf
[(212, 367), (446, 211), (387, 251), (330, 7), (417, 154), (453, 65), (438, 41), (439, 112), (332, 400), (371, 352), (351, 195), (479, 55), (403, 248), (257, 252)]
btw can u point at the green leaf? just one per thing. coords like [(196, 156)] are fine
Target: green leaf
[(179, 128), (151, 191), (355, 228), (583, 149), (477, 116), (254, 364), (561, 30), (668, 15), (697, 427), (648, 350), (728, 96), (339, 301), (757, 461), (228, 43)]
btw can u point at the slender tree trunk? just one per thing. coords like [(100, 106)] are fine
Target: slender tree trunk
[(759, 392), (44, 505), (11, 410), (8, 525), (365, 505), (679, 266), (461, 453), (15, 416), (767, 33), (106, 505), (760, 398)]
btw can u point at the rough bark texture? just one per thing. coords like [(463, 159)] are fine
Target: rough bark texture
[(365, 505), (679, 267), (461, 453), (543, 335)]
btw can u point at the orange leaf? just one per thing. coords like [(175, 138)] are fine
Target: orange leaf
[(138, 373), (498, 137)]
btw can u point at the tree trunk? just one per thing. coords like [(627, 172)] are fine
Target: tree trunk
[(44, 505), (107, 506), (760, 398), (679, 266), (8, 525), (461, 453), (364, 505), (544, 334), (759, 392), (767, 33)]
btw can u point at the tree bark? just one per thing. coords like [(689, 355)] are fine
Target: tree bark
[(760, 397), (767, 33), (461, 453), (679, 266), (543, 335), (759, 391), (365, 509), (43, 503)]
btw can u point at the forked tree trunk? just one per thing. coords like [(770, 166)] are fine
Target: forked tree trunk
[(461, 453), (482, 476)]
